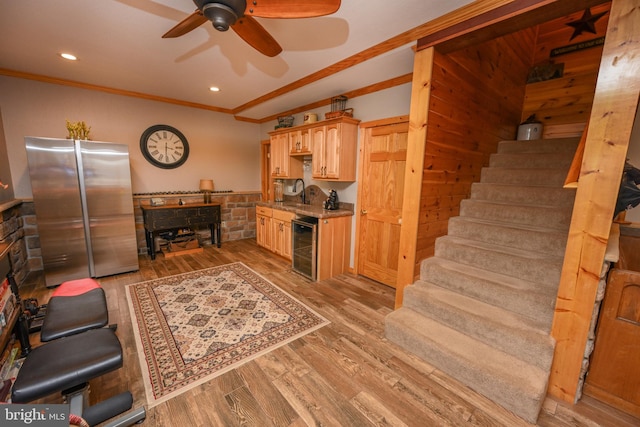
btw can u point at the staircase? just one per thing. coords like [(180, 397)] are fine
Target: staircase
[(483, 306)]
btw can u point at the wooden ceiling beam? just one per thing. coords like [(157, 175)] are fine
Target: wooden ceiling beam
[(502, 20)]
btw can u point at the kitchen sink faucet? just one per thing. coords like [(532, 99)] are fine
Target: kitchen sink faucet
[(303, 198)]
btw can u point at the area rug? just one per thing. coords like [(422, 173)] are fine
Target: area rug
[(192, 327)]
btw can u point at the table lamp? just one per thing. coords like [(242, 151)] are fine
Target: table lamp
[(206, 186)]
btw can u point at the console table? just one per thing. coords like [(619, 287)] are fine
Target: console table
[(159, 218)]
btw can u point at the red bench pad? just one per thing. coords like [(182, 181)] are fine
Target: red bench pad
[(72, 288)]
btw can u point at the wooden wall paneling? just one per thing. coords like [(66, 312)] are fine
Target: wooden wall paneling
[(521, 43), (612, 117), (566, 100), (557, 33), (418, 117), (475, 102)]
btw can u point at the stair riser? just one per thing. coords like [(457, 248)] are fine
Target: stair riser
[(541, 270), (540, 196), (550, 243), (535, 304), (537, 216), (532, 160), (525, 344), (526, 177), (498, 389)]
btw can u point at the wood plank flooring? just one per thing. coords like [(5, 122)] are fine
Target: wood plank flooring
[(344, 374)]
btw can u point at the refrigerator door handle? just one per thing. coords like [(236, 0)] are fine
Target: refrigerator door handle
[(85, 209)]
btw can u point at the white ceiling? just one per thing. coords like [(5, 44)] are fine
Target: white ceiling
[(118, 44)]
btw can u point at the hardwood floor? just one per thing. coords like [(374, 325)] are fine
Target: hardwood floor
[(345, 374)]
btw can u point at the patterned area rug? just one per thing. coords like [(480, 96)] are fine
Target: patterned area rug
[(192, 327)]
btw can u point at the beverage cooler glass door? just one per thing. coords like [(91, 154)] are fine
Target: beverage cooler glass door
[(303, 243)]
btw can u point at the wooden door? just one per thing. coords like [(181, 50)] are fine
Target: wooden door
[(332, 151), (384, 153), (299, 142), (305, 139), (280, 153), (263, 231), (317, 148), (276, 157), (614, 372)]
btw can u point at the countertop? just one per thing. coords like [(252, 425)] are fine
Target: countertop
[(306, 210)]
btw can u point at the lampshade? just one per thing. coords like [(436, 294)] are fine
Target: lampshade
[(206, 185)]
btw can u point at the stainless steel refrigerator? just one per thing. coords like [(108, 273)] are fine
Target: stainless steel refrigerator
[(84, 208)]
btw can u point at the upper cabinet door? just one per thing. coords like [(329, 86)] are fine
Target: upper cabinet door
[(300, 142), (317, 147)]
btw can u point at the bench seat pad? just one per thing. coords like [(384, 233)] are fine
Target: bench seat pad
[(66, 363), (69, 315)]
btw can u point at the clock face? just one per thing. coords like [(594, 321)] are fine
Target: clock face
[(164, 146)]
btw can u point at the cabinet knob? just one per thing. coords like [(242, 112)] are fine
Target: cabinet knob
[(363, 212)]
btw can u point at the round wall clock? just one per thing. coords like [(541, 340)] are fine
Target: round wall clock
[(164, 146)]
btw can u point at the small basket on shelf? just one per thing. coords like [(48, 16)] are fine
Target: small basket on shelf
[(338, 104), (284, 122)]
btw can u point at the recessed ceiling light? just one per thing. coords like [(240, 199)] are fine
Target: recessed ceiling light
[(68, 56), (214, 89)]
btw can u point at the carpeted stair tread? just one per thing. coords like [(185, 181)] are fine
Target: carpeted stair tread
[(540, 146), (528, 265), (531, 160), (541, 216), (534, 300), (517, 194), (516, 385), (520, 236), (548, 177), (484, 304), (512, 333)]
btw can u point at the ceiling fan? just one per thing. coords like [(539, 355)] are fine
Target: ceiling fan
[(238, 14)]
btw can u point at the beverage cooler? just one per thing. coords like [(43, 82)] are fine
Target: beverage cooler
[(304, 245)]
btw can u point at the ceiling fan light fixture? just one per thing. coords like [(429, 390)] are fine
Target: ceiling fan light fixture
[(220, 15)]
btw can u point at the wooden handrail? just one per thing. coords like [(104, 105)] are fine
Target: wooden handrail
[(576, 164)]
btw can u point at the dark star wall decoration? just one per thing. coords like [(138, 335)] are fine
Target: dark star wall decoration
[(586, 23)]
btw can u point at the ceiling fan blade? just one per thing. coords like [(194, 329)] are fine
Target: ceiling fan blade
[(254, 34), (291, 8), (189, 23)]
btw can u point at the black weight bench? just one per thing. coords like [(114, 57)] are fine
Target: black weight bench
[(78, 349), (67, 365), (74, 307)]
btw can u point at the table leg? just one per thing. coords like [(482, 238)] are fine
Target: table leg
[(215, 234), (150, 244)]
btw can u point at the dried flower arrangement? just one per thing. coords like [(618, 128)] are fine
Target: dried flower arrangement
[(78, 130)]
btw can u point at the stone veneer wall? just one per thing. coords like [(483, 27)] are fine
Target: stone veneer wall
[(14, 227), (238, 212), (602, 286), (19, 224)]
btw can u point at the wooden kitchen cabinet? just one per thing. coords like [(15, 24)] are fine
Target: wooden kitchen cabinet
[(281, 233), (334, 151), (282, 164), (263, 227), (334, 246), (300, 142), (331, 143)]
